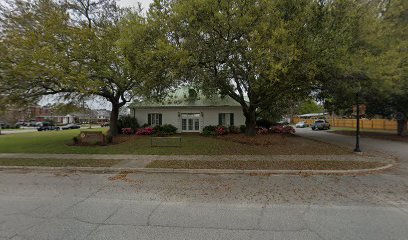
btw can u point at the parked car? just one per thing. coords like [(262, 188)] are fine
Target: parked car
[(301, 125), (4, 125), (32, 124), (21, 124), (321, 124), (47, 127), (70, 126), (105, 124), (283, 123)]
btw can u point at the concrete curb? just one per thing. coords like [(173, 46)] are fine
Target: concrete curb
[(195, 171)]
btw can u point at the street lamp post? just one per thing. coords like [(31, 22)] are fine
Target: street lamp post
[(357, 149)]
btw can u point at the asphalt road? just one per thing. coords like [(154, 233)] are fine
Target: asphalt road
[(61, 205)]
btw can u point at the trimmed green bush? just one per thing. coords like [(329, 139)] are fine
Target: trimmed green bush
[(208, 133), (211, 130), (165, 130)]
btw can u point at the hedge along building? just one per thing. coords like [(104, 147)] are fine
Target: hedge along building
[(189, 111)]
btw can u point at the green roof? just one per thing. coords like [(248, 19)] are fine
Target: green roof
[(188, 98)]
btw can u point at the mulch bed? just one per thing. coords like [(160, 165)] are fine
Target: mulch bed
[(116, 140), (376, 135), (124, 138), (263, 165)]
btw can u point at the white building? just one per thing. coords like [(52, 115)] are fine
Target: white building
[(189, 111), (57, 119), (102, 115)]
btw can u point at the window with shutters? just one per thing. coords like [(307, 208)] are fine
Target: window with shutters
[(154, 119), (226, 119)]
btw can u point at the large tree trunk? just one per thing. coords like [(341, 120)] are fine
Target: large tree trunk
[(250, 122), (402, 127), (113, 125)]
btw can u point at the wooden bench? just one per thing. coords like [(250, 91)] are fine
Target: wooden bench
[(168, 142)]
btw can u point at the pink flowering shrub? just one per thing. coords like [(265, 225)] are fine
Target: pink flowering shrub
[(126, 131), (145, 131), (221, 130), (283, 129), (262, 131)]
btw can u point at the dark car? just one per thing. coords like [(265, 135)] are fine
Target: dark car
[(321, 124), (70, 126), (32, 124), (4, 125), (48, 128), (105, 124)]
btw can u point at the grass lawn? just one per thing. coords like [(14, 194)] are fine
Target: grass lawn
[(58, 162), (264, 165), (371, 133), (57, 142)]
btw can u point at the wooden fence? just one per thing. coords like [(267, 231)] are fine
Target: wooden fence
[(380, 124)]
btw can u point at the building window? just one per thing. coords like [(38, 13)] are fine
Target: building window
[(226, 119), (154, 119)]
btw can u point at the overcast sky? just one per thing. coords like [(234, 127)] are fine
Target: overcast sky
[(132, 3)]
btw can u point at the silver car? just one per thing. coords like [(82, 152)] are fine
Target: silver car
[(301, 125)]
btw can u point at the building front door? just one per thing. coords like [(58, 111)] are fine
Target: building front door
[(190, 122)]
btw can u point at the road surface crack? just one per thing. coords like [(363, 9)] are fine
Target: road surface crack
[(152, 212)]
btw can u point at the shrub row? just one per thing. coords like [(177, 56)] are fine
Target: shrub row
[(222, 130), (8, 126), (145, 131), (212, 130), (164, 130), (285, 129)]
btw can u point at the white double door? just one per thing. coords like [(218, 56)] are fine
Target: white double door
[(190, 122)]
